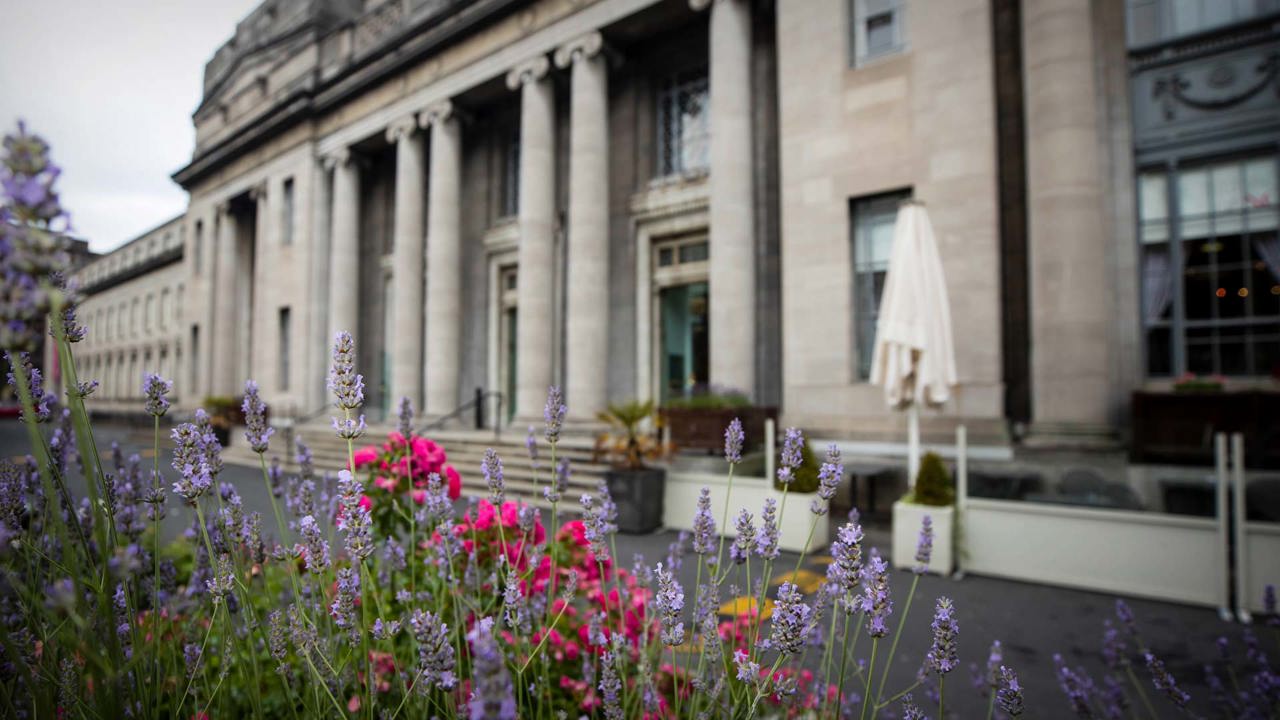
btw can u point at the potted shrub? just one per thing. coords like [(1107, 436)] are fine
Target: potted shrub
[(637, 488), (697, 421), (934, 495)]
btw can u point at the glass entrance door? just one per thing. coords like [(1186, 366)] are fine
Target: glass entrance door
[(684, 357)]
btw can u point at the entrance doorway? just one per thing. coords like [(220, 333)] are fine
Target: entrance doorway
[(682, 300)]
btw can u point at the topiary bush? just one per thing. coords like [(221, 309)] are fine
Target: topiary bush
[(934, 484), (805, 478)]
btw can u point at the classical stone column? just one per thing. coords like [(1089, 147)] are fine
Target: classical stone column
[(1068, 261), (586, 327), (444, 258), (732, 241), (318, 339), (344, 252), (534, 325), (406, 340), (222, 345)]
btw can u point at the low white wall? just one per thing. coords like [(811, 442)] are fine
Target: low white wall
[(1261, 562), (1133, 553), (681, 501)]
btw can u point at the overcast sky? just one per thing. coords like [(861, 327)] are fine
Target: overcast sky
[(111, 84)]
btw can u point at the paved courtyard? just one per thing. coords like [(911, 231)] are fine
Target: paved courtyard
[(1032, 621)]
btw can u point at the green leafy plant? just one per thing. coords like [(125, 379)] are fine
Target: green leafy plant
[(224, 410), (628, 447), (805, 478), (934, 485), (709, 401)]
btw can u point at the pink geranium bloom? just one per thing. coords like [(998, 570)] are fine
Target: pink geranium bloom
[(419, 496), (364, 456), (455, 482), (396, 438), (386, 483)]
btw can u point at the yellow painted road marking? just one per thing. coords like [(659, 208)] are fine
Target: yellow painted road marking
[(742, 605), (807, 580)]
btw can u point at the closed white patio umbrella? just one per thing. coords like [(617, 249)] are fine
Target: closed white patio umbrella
[(914, 358)]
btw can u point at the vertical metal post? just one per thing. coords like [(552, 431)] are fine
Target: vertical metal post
[(1241, 520), (1224, 547), (479, 403), (962, 497), (770, 445)]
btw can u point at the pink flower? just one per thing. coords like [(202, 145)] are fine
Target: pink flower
[(386, 483), (454, 480), (419, 496), (364, 456)]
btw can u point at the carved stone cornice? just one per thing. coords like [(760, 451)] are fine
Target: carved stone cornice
[(584, 47), (437, 113), (530, 70), (401, 128)]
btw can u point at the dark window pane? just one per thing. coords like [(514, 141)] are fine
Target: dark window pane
[(1266, 355), (665, 257), (694, 253), (1200, 350), (1233, 356), (880, 33), (1159, 361)]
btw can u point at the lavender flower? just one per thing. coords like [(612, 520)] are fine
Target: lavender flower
[(531, 446), (492, 692), (745, 540), (669, 602), (911, 711), (406, 417), (704, 525), (924, 546), (831, 473), (791, 458), (845, 571), (733, 440), (191, 654), (223, 580), (491, 468), (791, 620), (40, 400), (553, 414), (435, 652), (256, 433), (277, 640), (515, 607), (593, 529), (610, 687), (1077, 686), (302, 456), (941, 658), (1114, 651), (316, 547), (154, 388), (994, 658), (190, 459), (356, 523), (767, 538), (748, 671), (1009, 696), (85, 389), (343, 607), (347, 386), (1164, 682), (608, 508), (876, 601)]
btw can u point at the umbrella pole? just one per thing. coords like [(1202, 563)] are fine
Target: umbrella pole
[(913, 443)]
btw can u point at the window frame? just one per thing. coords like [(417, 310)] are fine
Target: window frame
[(862, 210), (669, 162), (858, 15)]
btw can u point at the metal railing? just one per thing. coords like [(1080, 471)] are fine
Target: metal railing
[(477, 404)]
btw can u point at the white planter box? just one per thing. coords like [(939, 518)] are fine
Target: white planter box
[(907, 518), (1167, 557), (1261, 562), (681, 501)]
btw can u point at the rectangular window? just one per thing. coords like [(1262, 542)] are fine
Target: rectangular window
[(684, 129), (510, 190), (1154, 21), (877, 28), (194, 357), (872, 220), (1211, 271), (286, 222), (284, 331), (197, 247)]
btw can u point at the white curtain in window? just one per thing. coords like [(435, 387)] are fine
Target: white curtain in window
[(1157, 283)]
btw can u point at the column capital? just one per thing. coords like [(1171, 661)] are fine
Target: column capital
[(700, 5), (400, 128), (530, 70), (336, 158), (222, 208), (583, 47), (437, 113), (258, 191)]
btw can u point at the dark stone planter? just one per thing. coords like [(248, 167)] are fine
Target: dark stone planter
[(703, 428), (1178, 427), (638, 494)]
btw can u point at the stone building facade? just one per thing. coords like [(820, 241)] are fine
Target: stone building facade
[(135, 305), (635, 198)]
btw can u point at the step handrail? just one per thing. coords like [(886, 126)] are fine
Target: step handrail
[(476, 403)]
